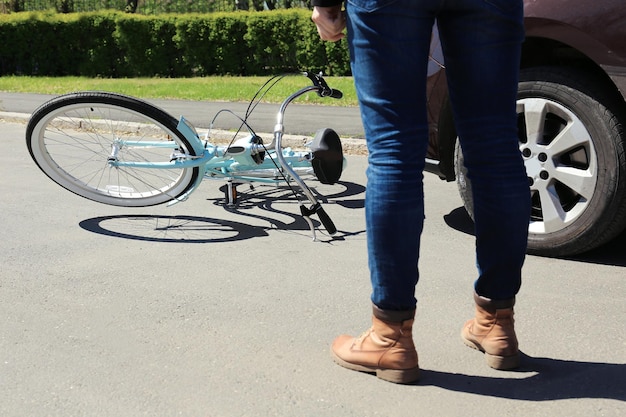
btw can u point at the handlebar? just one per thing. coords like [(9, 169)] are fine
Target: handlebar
[(321, 213), (323, 89), (326, 221)]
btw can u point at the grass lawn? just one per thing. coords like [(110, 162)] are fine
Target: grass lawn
[(240, 89)]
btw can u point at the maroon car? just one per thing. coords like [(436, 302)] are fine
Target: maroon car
[(572, 121)]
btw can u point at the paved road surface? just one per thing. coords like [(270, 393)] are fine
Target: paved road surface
[(198, 310), (299, 119)]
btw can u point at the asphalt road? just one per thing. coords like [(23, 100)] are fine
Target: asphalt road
[(299, 119), (201, 310)]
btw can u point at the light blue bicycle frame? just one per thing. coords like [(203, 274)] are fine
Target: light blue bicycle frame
[(232, 163)]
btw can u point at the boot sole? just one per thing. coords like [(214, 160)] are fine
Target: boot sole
[(397, 376), (501, 363)]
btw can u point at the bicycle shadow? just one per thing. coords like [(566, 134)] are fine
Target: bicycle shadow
[(611, 253), (171, 229), (266, 198), (551, 379), (195, 229)]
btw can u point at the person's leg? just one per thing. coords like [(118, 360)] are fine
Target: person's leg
[(481, 41), (389, 56), (389, 46)]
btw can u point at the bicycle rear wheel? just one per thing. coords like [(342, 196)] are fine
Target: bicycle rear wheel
[(72, 137)]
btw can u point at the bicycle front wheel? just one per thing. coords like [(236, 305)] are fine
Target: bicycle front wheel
[(73, 139)]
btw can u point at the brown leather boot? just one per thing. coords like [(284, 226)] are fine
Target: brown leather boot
[(386, 349), (492, 332)]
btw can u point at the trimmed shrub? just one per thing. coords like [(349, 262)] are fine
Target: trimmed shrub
[(116, 44)]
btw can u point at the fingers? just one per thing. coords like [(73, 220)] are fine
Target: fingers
[(330, 22)]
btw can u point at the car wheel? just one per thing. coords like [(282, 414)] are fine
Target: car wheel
[(573, 147)]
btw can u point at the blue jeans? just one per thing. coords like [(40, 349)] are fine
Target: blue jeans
[(389, 46)]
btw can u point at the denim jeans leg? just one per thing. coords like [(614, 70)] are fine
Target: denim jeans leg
[(482, 76), (389, 43)]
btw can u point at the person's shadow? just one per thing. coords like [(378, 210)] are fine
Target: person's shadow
[(551, 379)]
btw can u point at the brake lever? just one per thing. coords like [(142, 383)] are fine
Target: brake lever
[(323, 90)]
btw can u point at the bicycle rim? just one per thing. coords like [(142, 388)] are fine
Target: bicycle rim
[(72, 137)]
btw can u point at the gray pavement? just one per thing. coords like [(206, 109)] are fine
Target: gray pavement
[(200, 310), (299, 119)]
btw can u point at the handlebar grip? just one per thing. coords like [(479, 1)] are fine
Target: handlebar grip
[(326, 221), (335, 93)]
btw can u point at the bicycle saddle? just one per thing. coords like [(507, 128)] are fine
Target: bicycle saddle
[(327, 161)]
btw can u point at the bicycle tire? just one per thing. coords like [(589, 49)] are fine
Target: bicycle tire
[(70, 138)]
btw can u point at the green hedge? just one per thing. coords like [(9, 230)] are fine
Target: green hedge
[(113, 44)]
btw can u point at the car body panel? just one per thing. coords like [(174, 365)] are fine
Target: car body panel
[(597, 29)]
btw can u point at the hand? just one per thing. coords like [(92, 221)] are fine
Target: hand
[(330, 22)]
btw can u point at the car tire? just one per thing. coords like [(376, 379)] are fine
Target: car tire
[(575, 160)]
